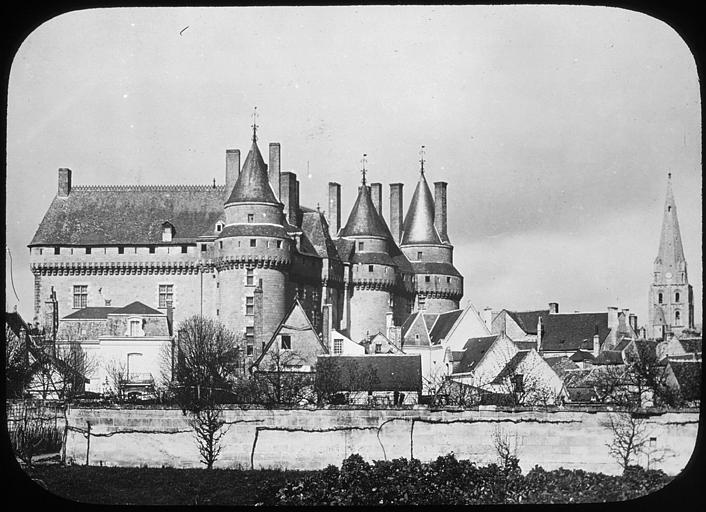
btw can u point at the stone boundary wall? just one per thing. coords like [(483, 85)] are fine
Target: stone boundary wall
[(314, 438)]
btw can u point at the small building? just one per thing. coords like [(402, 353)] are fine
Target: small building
[(342, 345), (380, 344), (387, 379), (684, 379)]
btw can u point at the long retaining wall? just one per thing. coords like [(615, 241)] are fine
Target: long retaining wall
[(315, 438)]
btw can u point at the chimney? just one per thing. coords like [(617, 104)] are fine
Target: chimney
[(488, 318), (389, 324), (440, 209), (326, 327), (64, 182), (232, 170), (273, 167), (633, 322), (612, 326), (396, 213), (540, 333), (289, 196), (258, 327), (376, 195), (623, 320), (596, 342), (553, 308), (334, 207)]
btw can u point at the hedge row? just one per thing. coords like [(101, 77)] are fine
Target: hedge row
[(461, 482)]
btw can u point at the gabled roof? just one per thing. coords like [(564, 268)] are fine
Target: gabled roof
[(253, 184), (96, 215), (418, 227), (443, 324), (573, 331), (364, 219), (91, 313), (380, 372), (527, 320), (510, 367), (474, 350)]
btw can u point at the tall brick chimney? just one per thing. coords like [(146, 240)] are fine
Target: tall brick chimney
[(396, 213), (258, 326), (633, 322), (273, 167), (64, 182), (232, 170), (289, 196), (376, 196), (334, 207), (613, 326), (553, 308), (440, 209)]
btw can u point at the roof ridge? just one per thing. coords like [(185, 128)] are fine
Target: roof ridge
[(152, 188)]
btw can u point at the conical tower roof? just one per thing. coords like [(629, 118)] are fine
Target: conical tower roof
[(364, 219), (671, 252), (418, 227), (253, 184)]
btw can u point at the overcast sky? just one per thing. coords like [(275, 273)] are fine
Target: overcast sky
[(555, 127)]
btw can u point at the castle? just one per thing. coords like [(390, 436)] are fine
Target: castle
[(210, 249)]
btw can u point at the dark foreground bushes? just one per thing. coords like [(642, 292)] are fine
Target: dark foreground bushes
[(461, 482)]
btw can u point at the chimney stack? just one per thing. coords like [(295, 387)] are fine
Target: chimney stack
[(488, 318), (612, 326), (273, 167), (596, 343), (376, 195), (232, 170), (326, 327), (440, 210), (64, 182), (633, 322), (334, 207), (289, 196), (396, 213), (553, 308), (540, 334)]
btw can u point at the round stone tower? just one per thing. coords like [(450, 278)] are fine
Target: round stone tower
[(252, 248), (372, 276), (438, 285)]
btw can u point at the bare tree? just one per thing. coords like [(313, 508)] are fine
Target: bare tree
[(116, 375), (209, 429), (629, 437), (281, 379), (506, 448), (18, 371)]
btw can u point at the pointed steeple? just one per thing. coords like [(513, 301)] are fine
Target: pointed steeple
[(418, 227), (253, 184), (364, 218), (671, 252)]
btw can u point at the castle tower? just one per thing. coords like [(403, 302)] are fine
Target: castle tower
[(671, 298), (439, 286), (253, 248), (371, 281)]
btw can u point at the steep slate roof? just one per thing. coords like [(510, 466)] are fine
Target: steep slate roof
[(315, 228), (136, 308), (510, 367), (475, 349), (443, 324), (561, 364), (610, 357), (572, 331), (418, 226), (688, 376), (527, 320), (429, 319), (97, 215), (91, 313), (344, 248), (390, 372), (364, 219), (692, 345), (253, 184)]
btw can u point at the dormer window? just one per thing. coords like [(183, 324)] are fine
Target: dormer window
[(219, 226), (135, 327), (167, 232)]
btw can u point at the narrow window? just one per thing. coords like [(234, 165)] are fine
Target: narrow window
[(249, 339), (249, 306), (361, 246), (253, 242), (80, 296), (220, 245), (40, 251), (427, 279), (166, 295), (88, 250), (250, 277), (286, 342), (121, 250), (251, 217), (203, 247), (448, 280), (659, 297), (218, 312), (338, 346), (676, 297), (419, 255), (184, 248), (370, 268), (279, 244), (135, 327), (219, 227), (71, 251), (151, 250), (378, 348), (249, 349), (263, 346), (57, 250), (677, 318)]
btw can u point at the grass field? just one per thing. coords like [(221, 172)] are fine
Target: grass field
[(162, 486)]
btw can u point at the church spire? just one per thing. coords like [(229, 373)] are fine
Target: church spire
[(671, 252)]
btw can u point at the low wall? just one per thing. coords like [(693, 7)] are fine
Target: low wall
[(315, 438)]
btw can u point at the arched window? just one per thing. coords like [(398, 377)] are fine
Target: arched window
[(676, 297), (659, 297), (677, 318)]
